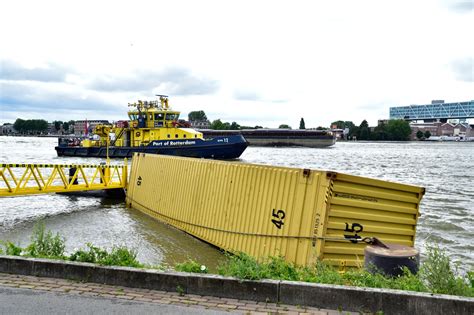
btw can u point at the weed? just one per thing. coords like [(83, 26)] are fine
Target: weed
[(246, 267), (191, 266), (440, 276), (180, 290), (241, 266), (45, 244), (11, 249), (436, 274), (470, 277), (92, 255), (121, 256)]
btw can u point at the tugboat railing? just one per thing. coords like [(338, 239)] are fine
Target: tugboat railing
[(29, 179)]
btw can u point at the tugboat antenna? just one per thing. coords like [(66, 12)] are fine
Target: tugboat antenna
[(164, 101)]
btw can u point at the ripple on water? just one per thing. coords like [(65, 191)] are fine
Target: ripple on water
[(443, 168)]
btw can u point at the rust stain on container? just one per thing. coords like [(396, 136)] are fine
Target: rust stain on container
[(303, 215)]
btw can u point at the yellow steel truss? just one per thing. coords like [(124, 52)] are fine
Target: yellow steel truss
[(27, 179)]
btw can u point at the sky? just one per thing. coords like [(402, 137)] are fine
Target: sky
[(254, 62)]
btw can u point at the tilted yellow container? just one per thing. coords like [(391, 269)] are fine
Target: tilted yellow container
[(301, 214)]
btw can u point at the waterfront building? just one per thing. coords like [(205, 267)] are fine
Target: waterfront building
[(200, 124), (433, 127), (80, 128), (438, 110), (454, 130), (7, 129), (439, 129)]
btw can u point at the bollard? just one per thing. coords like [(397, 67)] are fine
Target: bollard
[(391, 259)]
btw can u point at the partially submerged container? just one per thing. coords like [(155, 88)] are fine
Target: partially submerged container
[(304, 215)]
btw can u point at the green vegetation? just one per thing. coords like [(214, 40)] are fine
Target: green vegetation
[(118, 256), (437, 273), (302, 124), (191, 266), (394, 130), (340, 124), (46, 245), (197, 115), (284, 126), (219, 125), (419, 134), (398, 130), (31, 126)]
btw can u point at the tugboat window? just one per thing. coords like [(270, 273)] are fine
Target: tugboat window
[(171, 116), (168, 136), (176, 135)]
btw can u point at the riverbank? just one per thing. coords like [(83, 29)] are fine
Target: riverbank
[(436, 274), (335, 297)]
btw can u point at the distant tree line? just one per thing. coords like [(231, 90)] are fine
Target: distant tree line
[(67, 126), (393, 130), (420, 135), (39, 126), (31, 126), (220, 125), (217, 124)]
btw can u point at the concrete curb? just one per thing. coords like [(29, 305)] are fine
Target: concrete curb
[(287, 292)]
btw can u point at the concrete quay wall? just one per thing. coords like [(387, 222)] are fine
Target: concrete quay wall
[(287, 292)]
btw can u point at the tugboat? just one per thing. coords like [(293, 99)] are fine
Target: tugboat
[(153, 128)]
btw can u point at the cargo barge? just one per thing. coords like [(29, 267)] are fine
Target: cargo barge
[(153, 128), (281, 137)]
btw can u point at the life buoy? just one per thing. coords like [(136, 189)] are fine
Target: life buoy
[(137, 134)]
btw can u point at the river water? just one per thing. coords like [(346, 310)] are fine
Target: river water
[(445, 169)]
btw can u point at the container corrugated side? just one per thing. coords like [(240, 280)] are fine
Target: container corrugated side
[(362, 207), (263, 210), (259, 210)]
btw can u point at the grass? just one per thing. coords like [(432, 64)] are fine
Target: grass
[(437, 274), (118, 256), (191, 266), (46, 245)]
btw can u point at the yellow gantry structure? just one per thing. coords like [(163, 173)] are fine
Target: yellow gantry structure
[(28, 179)]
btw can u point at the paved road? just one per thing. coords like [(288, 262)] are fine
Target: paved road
[(27, 301), (39, 295)]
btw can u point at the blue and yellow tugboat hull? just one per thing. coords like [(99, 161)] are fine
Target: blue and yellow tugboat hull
[(230, 147)]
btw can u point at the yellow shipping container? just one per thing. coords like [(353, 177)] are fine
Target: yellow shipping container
[(262, 210)]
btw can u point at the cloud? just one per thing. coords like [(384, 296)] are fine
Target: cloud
[(246, 95), (461, 6), (173, 81), (463, 69), (10, 70), (252, 95), (49, 101)]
